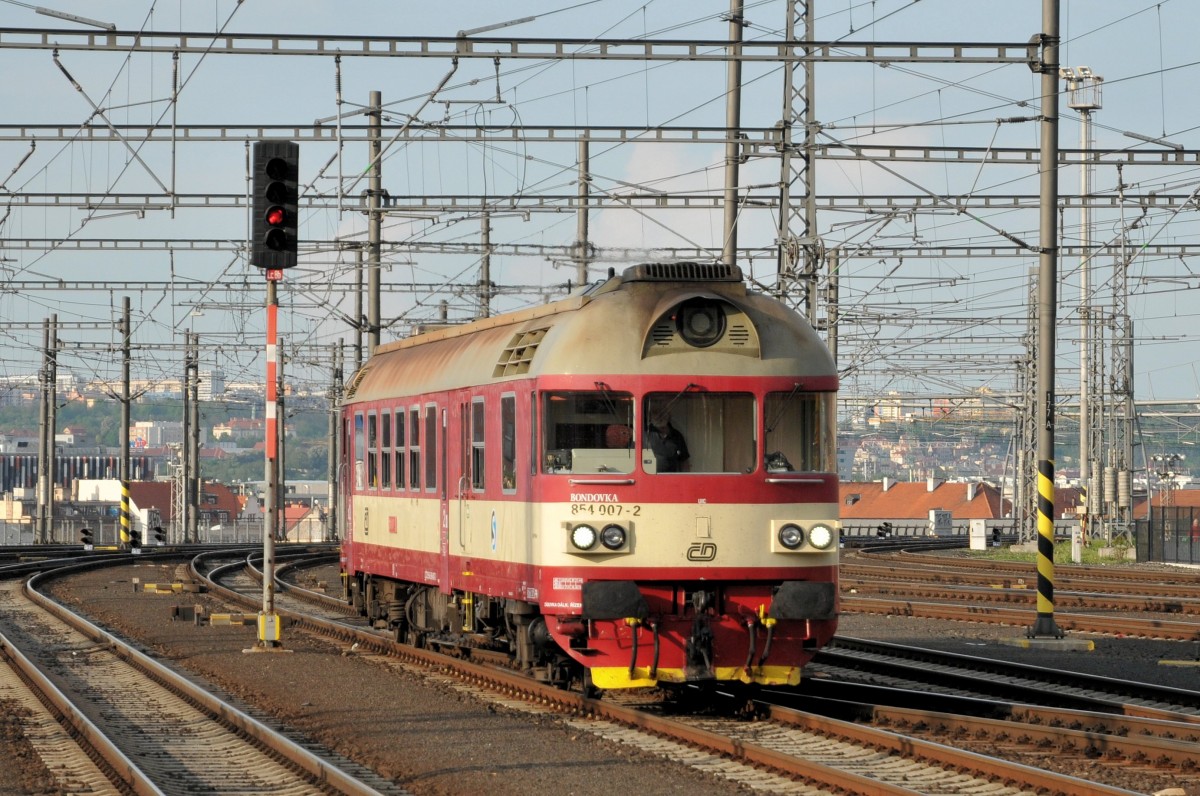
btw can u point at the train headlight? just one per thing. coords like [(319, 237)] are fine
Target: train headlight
[(791, 536), (820, 536), (700, 322), (583, 537), (612, 537)]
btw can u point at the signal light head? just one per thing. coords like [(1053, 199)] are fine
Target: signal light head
[(276, 204)]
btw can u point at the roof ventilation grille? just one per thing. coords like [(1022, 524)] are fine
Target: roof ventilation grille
[(517, 356)]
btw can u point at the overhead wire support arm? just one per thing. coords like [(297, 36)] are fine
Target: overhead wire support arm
[(97, 111), (942, 199), (526, 48)]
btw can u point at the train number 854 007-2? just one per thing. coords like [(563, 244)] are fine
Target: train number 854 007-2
[(605, 510)]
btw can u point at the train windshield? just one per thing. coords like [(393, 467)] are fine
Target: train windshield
[(587, 431), (801, 432), (698, 432)]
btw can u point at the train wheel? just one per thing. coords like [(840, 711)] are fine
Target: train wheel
[(371, 600), (590, 690)]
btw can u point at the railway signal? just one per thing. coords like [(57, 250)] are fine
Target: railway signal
[(160, 536), (135, 539), (276, 174), (85, 536)]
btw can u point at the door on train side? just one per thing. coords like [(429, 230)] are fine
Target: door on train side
[(435, 419), (454, 465), (352, 468)]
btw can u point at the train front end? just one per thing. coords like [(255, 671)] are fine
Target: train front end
[(687, 500)]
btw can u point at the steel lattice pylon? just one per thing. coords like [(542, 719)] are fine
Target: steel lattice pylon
[(800, 249)]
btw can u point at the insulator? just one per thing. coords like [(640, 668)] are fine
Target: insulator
[(1110, 483), (1123, 489)]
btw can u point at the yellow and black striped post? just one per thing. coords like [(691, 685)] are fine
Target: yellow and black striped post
[(126, 538), (1045, 624)]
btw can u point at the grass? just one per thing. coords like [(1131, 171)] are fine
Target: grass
[(1091, 554)]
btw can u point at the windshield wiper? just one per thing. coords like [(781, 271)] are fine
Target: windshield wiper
[(783, 405)]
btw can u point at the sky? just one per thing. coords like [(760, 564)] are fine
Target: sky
[(82, 214)]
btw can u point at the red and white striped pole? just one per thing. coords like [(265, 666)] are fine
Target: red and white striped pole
[(269, 623), (272, 376)]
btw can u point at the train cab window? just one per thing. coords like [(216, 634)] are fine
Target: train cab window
[(372, 451), (385, 450), (698, 432), (400, 453), (414, 448), (588, 431), (431, 416), (360, 452), (478, 427), (508, 443), (801, 432)]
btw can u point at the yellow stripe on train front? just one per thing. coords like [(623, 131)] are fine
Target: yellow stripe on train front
[(618, 676)]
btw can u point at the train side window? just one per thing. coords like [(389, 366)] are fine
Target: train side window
[(360, 452), (414, 448), (801, 432), (508, 443), (478, 429), (400, 453), (431, 416), (385, 450), (372, 451)]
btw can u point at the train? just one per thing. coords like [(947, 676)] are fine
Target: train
[(632, 486)]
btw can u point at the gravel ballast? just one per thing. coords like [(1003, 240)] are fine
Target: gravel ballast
[(431, 737)]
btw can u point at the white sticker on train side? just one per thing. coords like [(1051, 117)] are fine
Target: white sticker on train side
[(568, 583)]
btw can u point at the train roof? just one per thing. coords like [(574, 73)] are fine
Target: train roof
[(627, 324)]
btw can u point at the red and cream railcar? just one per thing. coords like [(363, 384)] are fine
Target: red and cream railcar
[(506, 490)]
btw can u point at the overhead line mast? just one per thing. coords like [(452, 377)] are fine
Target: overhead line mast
[(1047, 316)]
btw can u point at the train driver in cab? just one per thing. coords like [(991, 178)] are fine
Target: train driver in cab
[(669, 446)]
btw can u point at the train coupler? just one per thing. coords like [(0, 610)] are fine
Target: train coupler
[(699, 650)]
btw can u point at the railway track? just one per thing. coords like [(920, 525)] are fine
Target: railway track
[(1152, 605), (1181, 602), (934, 672), (823, 753), (1083, 741), (785, 751), (982, 703), (127, 724), (1099, 624)]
